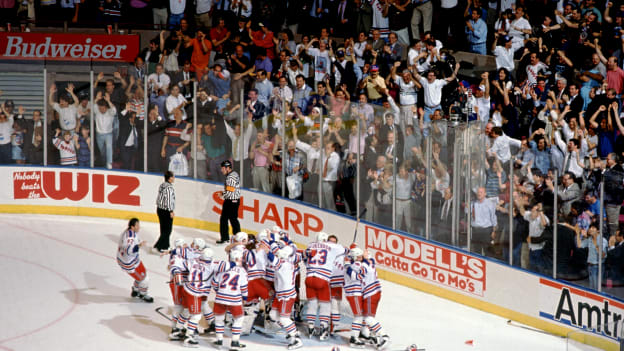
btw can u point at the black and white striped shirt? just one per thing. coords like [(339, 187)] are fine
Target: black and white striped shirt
[(232, 186), (166, 197)]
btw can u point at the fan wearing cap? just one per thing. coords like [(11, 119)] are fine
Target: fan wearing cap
[(374, 84), (504, 53), (230, 196)]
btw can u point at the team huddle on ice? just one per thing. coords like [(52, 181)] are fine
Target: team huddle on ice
[(264, 271)]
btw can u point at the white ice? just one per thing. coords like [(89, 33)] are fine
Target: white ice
[(62, 290)]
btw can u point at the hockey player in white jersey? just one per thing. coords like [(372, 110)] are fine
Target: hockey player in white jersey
[(231, 290), (128, 259), (285, 294), (196, 290), (335, 285), (371, 294), (178, 271), (353, 277), (320, 257), (255, 261)]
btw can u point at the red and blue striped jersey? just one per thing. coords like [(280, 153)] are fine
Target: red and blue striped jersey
[(321, 258), (230, 286), (128, 251), (338, 272), (256, 262), (370, 283), (353, 281), (200, 275), (284, 279)]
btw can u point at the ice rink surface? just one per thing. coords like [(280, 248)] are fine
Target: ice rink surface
[(62, 290)]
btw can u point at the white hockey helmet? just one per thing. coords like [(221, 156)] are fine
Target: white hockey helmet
[(321, 236), (276, 229), (356, 252), (262, 235), (199, 243), (236, 255), (206, 254), (285, 252), (241, 236), (179, 242)]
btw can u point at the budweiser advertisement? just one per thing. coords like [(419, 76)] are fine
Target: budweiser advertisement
[(426, 261), (68, 47)]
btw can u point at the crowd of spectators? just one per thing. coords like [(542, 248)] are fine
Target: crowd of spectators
[(357, 90)]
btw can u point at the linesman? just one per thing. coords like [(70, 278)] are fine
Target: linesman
[(231, 201)]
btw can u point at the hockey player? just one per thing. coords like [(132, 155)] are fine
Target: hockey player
[(198, 245), (255, 259), (196, 290), (284, 293), (128, 259), (231, 290), (320, 258), (335, 284), (178, 272), (371, 294), (353, 291), (239, 242)]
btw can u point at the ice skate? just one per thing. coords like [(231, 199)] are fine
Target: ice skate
[(324, 334), (356, 342), (295, 342), (311, 332), (382, 342), (191, 341), (236, 345), (177, 334), (146, 298)]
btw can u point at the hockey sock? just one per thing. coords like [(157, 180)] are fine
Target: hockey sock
[(219, 325), (311, 311), (335, 312), (143, 285), (324, 313), (356, 326), (177, 309), (236, 328), (182, 319), (287, 324), (365, 331), (192, 323), (373, 324), (207, 311)]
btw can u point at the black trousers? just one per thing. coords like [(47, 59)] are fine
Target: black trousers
[(166, 224), (229, 212), (481, 238)]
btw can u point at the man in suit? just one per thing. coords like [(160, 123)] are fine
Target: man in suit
[(155, 132), (130, 139), (575, 101), (568, 193), (33, 139), (615, 257), (254, 107), (343, 20), (184, 79)]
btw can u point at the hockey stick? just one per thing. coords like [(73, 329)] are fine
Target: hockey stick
[(162, 314), (514, 324), (357, 224)]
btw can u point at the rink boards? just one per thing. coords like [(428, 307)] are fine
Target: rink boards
[(435, 268)]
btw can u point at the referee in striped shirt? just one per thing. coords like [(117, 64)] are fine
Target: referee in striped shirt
[(231, 197), (165, 203)]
